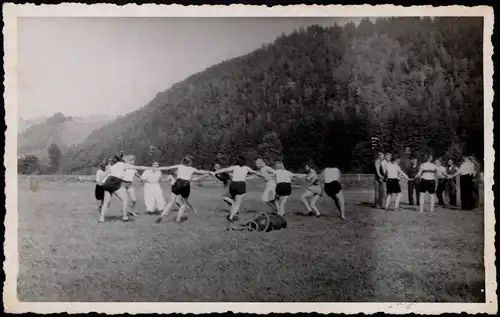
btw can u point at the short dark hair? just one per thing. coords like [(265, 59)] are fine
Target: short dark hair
[(241, 160), (187, 160)]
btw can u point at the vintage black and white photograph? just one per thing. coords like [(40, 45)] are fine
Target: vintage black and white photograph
[(261, 159)]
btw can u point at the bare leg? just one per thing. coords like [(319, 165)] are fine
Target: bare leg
[(236, 206), (283, 200), (104, 206), (188, 203), (432, 202), (166, 209), (180, 212), (388, 202), (314, 200), (304, 198), (341, 205), (99, 205), (277, 205), (422, 201), (272, 205), (398, 198), (122, 194), (133, 199)]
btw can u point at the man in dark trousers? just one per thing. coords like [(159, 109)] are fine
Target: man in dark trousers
[(467, 174), (451, 188), (411, 171)]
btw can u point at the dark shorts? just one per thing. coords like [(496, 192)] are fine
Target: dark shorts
[(393, 186), (283, 189), (333, 188), (99, 192), (237, 188), (428, 186), (224, 178), (182, 188), (112, 184)]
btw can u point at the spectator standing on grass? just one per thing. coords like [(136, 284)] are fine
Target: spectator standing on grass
[(379, 181), (441, 182), (477, 179), (467, 174), (412, 171), (451, 185)]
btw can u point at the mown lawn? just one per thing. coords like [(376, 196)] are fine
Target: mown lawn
[(65, 255)]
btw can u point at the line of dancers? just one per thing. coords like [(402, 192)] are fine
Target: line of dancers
[(114, 178), (429, 178)]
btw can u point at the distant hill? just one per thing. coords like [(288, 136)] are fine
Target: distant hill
[(37, 135), (324, 92)]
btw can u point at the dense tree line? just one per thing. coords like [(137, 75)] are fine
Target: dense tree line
[(30, 164), (318, 93)]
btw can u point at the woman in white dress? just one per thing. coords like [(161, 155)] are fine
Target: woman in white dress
[(153, 194)]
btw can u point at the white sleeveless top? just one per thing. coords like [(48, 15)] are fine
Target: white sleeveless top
[(331, 174), (392, 170), (312, 177), (185, 172), (128, 175), (283, 176), (239, 173), (118, 169)]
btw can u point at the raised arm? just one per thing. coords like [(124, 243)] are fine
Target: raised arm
[(201, 177), (298, 175), (222, 170), (197, 171), (250, 177), (167, 168), (251, 171)]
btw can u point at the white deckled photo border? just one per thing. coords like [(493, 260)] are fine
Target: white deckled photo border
[(13, 12)]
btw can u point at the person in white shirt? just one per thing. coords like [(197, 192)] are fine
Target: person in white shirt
[(181, 188), (330, 178), (153, 194), (467, 172), (100, 178), (313, 192), (128, 183), (427, 173), (268, 173), (283, 186), (237, 188), (112, 184), (393, 188)]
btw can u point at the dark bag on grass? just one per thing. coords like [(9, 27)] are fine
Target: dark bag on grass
[(266, 222)]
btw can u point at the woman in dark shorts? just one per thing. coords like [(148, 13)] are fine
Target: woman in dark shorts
[(237, 187), (330, 177), (283, 186), (112, 184), (99, 177), (313, 192), (427, 174), (181, 188)]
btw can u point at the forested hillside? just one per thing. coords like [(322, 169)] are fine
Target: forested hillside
[(319, 93)]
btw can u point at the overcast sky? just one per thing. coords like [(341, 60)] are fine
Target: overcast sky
[(91, 66)]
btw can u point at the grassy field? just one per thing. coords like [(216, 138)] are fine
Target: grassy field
[(65, 255)]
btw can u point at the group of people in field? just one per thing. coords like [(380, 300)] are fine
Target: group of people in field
[(115, 176), (430, 178)]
